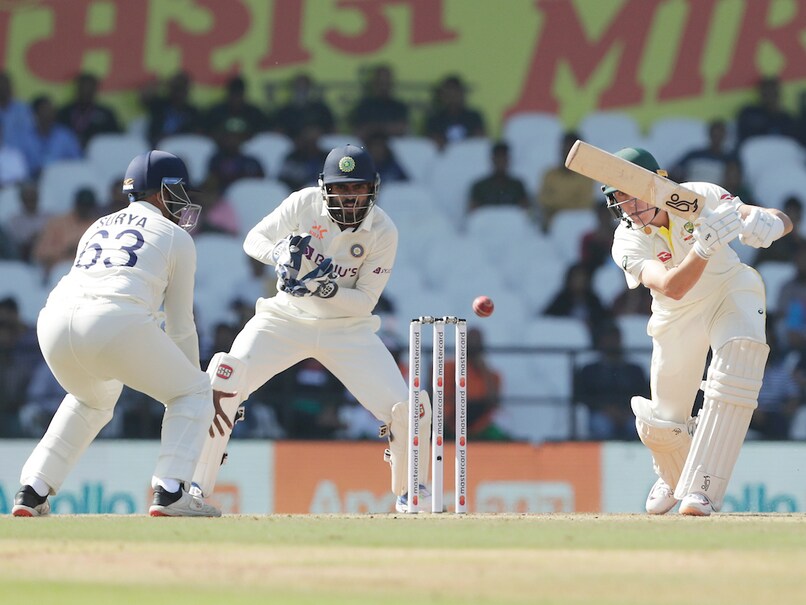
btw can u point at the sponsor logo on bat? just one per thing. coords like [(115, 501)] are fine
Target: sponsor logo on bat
[(682, 205)]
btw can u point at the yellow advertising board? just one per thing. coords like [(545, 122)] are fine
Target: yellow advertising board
[(651, 58)]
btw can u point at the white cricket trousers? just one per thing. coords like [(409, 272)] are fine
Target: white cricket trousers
[(681, 339), (95, 348), (271, 342)]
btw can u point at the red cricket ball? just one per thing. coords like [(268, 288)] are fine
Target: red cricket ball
[(483, 306)]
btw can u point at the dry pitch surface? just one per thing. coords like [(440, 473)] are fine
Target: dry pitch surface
[(398, 559)]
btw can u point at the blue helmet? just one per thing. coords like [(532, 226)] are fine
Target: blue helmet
[(164, 173), (349, 164)]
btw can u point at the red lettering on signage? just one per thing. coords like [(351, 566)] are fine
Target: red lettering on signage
[(687, 78), (426, 25), (59, 57), (231, 21), (563, 41), (755, 30), (286, 35)]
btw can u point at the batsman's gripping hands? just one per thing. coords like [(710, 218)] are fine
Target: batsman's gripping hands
[(717, 229), (760, 229), (320, 282), (287, 255)]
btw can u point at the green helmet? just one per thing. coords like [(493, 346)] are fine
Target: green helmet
[(640, 157)]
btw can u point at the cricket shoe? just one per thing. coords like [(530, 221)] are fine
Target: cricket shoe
[(696, 505), (402, 503), (660, 499), (180, 504), (27, 503)]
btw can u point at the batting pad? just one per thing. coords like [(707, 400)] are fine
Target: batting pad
[(731, 395), (397, 455), (227, 374), (668, 441)]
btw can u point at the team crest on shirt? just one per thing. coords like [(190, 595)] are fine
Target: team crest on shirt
[(318, 231), (357, 250)]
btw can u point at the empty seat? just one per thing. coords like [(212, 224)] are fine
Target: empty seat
[(196, 151), (110, 153), (254, 198), (455, 169), (332, 140), (611, 131), (775, 275), (61, 180), (671, 138), (10, 203), (567, 229), (270, 148), (24, 283), (762, 153), (416, 155)]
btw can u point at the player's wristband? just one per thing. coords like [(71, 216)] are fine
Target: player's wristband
[(700, 251)]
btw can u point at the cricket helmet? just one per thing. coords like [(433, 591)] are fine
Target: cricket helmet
[(349, 164), (164, 173), (639, 157)]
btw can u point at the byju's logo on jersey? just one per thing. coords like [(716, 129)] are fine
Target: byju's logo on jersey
[(224, 372)]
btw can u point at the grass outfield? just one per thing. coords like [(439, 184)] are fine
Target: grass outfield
[(398, 559)]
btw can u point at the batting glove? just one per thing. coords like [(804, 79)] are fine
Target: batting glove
[(760, 228), (717, 230)]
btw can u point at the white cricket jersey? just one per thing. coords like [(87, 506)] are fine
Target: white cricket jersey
[(634, 247), (137, 259), (362, 256)]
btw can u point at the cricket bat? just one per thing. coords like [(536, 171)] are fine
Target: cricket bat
[(643, 184)]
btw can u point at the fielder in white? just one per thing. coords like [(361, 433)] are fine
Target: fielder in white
[(101, 329), (333, 250), (703, 297)]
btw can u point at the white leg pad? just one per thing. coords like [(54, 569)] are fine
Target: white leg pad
[(731, 395), (398, 431), (668, 441), (73, 427), (227, 374)]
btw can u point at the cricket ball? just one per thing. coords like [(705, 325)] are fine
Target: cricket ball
[(483, 306)]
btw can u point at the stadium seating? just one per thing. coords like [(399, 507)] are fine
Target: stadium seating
[(416, 156), (254, 198), (670, 138), (110, 153), (195, 149), (611, 131), (762, 153), (61, 180), (270, 148)]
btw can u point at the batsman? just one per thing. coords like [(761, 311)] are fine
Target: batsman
[(333, 250), (703, 298)]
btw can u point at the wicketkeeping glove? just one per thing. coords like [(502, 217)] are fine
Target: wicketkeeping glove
[(320, 282), (761, 228), (717, 230), (287, 256)]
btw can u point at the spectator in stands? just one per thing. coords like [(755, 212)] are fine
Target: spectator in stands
[(16, 118), (218, 215), (49, 141), (229, 163), (767, 116), (305, 106), (386, 163), (483, 393), (59, 239), (115, 200), (632, 301), (606, 385), (24, 227), (84, 114), (706, 163), (13, 165), (785, 248), (171, 112), (577, 298), (595, 245), (378, 109), (779, 396), (792, 306), (450, 119), (733, 181), (8, 251), (562, 189), (500, 188), (18, 356), (236, 107), (303, 164)]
